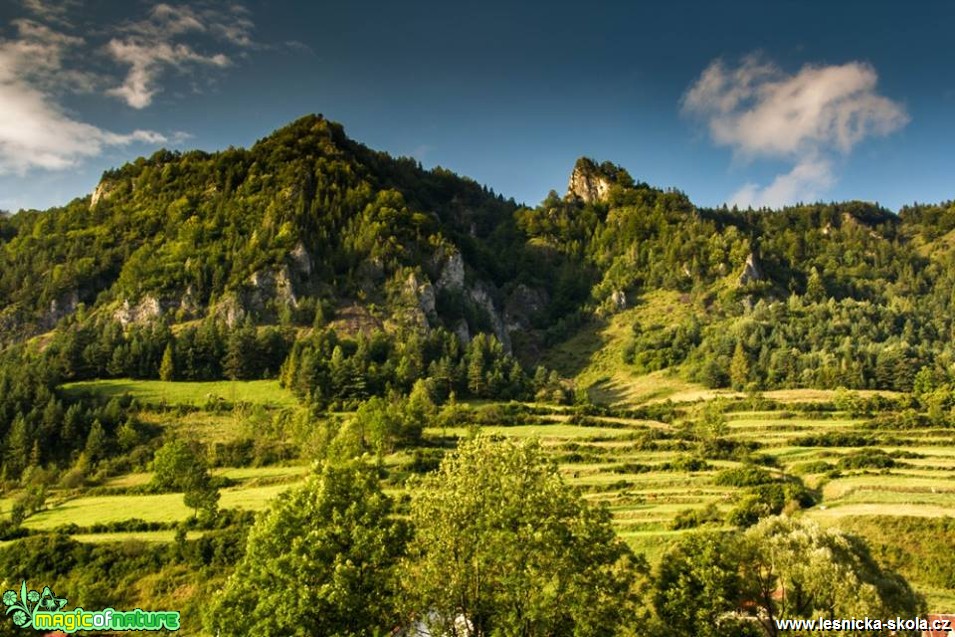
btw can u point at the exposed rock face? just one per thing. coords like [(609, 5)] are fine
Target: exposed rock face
[(590, 182), (479, 294), (62, 306), (271, 284), (452, 274), (102, 191), (148, 309), (462, 332), (587, 184), (619, 300), (751, 271), (188, 303), (420, 301), (423, 293), (521, 306), (229, 310), (301, 260), (481, 297)]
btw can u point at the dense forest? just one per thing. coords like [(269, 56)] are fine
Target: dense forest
[(308, 231)]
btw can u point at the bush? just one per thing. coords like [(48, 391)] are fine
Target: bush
[(745, 476), (868, 459), (692, 518), (688, 463), (832, 439), (816, 466)]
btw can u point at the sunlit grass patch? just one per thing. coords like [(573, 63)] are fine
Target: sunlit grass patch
[(196, 394)]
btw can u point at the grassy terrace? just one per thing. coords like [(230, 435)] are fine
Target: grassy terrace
[(257, 392), (642, 484)]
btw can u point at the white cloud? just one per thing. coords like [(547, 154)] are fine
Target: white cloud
[(46, 59), (150, 46), (808, 118), (37, 55), (35, 132), (55, 11), (146, 62), (807, 181)]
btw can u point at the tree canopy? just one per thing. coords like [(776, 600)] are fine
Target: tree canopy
[(503, 546), (319, 562)]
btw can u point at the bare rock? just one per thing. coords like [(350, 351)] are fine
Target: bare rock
[(301, 260), (266, 285), (521, 306), (103, 191), (590, 182), (148, 309), (480, 295), (452, 273), (423, 294), (751, 271), (618, 300), (62, 306), (462, 332), (230, 310)]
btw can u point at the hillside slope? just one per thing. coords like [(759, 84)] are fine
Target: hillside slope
[(308, 228)]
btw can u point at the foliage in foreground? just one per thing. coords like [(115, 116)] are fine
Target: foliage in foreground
[(498, 543), (503, 546), (727, 585), (320, 562)]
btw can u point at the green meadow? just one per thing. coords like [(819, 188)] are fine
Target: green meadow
[(630, 463)]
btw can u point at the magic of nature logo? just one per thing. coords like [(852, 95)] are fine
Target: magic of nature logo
[(43, 610)]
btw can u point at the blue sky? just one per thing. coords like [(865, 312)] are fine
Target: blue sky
[(755, 103)]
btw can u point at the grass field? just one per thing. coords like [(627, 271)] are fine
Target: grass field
[(161, 537), (165, 507), (195, 394), (610, 460), (644, 502)]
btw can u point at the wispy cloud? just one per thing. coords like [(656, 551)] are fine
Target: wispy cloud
[(35, 131), (52, 11), (152, 46), (47, 58), (37, 54), (809, 118)]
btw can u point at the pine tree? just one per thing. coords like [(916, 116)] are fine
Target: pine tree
[(477, 382), (167, 369), (96, 442), (739, 367)]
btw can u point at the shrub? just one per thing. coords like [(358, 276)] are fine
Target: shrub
[(746, 475)]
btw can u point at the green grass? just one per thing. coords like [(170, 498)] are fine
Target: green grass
[(643, 499), (239, 474), (196, 394), (90, 510), (556, 431), (163, 537), (165, 507), (243, 474), (594, 355)]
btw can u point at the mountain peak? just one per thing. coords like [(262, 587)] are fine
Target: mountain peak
[(590, 181)]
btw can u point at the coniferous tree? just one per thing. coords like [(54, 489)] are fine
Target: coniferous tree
[(167, 368)]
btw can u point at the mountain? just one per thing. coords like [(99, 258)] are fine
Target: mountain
[(303, 215), (383, 313), (309, 228)]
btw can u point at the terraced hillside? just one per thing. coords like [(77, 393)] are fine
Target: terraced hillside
[(663, 468)]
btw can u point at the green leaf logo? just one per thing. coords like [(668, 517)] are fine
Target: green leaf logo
[(24, 606)]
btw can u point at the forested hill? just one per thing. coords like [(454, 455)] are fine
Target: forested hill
[(311, 232)]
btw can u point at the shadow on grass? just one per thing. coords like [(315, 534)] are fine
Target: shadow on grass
[(574, 354)]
